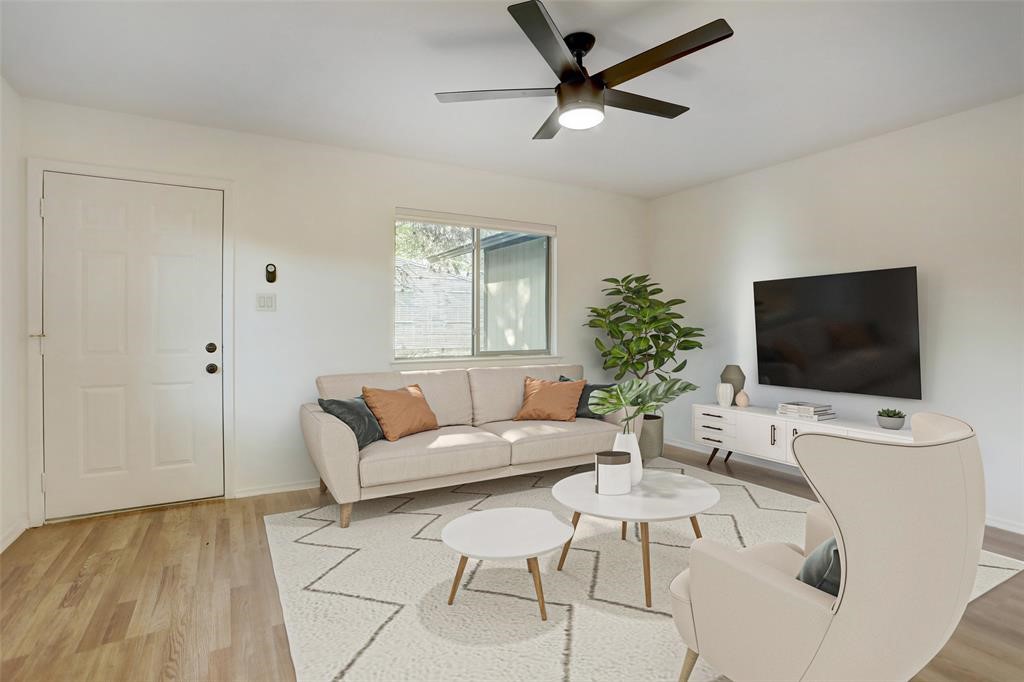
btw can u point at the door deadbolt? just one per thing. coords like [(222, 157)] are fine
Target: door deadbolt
[(211, 368), (211, 347)]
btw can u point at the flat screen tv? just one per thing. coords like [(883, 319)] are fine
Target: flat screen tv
[(855, 332)]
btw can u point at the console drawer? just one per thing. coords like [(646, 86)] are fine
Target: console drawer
[(712, 440), (709, 427), (714, 414)]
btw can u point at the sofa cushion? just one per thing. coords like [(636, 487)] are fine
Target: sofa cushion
[(357, 416), (447, 391), (554, 400), (400, 412), (498, 391), (537, 441), (583, 406), (448, 450)]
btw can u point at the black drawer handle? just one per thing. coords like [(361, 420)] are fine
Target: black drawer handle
[(708, 414), (713, 428), (713, 440)]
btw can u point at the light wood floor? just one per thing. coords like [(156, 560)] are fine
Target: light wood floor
[(188, 592)]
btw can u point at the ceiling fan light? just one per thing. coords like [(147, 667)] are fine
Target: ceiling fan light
[(580, 118)]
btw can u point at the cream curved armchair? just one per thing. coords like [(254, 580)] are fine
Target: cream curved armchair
[(908, 520)]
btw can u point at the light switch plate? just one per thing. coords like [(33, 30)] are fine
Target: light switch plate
[(266, 303)]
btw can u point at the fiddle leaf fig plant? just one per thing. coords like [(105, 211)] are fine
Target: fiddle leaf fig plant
[(637, 397), (644, 333)]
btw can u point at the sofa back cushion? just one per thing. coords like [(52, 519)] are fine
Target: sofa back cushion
[(446, 390), (447, 393), (498, 391)]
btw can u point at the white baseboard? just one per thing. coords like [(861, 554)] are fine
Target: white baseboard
[(995, 522), (13, 533), (283, 488)]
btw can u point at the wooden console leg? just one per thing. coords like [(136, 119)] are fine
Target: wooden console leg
[(688, 663), (458, 579), (565, 547), (535, 570), (323, 486), (712, 457), (346, 514), (645, 542), (696, 527), (727, 456)]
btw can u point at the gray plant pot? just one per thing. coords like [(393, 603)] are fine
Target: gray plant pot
[(894, 423), (652, 437)]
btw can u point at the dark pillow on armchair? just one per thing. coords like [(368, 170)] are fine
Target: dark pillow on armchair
[(357, 416), (821, 568), (583, 409)]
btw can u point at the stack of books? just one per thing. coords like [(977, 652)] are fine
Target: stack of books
[(814, 411)]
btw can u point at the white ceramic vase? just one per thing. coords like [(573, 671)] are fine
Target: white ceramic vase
[(724, 394), (627, 442)]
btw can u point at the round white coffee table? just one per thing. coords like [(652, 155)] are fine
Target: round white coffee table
[(659, 496), (506, 533)]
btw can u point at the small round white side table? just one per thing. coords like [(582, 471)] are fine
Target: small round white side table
[(659, 496), (506, 533)]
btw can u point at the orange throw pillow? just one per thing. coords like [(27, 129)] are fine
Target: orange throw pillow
[(400, 412), (551, 400)]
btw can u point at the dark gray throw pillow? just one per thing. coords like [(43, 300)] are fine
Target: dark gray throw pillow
[(583, 408), (821, 568), (357, 415)]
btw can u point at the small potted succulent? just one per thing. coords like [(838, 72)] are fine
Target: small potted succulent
[(891, 419)]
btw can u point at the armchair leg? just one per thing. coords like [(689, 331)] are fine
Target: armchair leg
[(688, 663), (346, 514), (323, 486)]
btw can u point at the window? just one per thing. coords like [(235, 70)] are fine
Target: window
[(469, 286)]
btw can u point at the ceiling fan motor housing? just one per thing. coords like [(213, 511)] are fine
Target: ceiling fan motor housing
[(583, 95)]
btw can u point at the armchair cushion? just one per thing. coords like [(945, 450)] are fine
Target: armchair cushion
[(357, 416), (821, 568)]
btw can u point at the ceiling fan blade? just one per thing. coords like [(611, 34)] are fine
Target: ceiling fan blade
[(688, 43), (549, 128), (480, 95), (542, 32), (645, 105)]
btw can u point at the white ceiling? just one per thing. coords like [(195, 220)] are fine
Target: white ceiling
[(796, 77)]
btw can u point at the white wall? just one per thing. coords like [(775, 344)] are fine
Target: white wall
[(325, 216), (13, 491), (946, 196)]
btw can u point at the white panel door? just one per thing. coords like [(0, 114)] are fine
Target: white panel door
[(131, 299), (761, 436)]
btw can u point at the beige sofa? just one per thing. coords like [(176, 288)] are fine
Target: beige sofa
[(477, 439)]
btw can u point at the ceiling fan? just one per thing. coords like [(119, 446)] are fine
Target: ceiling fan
[(581, 96)]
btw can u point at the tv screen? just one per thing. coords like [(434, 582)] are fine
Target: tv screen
[(854, 332)]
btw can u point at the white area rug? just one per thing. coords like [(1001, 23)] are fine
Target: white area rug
[(369, 602)]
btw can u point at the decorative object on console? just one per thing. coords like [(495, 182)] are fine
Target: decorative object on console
[(724, 394), (583, 407), (742, 399), (889, 418), (550, 400), (813, 411), (401, 412), (643, 337), (357, 416), (652, 437), (612, 473), (733, 374)]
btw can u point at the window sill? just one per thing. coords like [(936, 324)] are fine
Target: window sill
[(479, 361)]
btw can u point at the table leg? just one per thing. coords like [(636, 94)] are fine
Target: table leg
[(623, 530), (565, 547), (645, 545), (535, 570), (696, 527), (458, 579)]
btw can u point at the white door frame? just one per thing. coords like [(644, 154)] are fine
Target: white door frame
[(34, 192)]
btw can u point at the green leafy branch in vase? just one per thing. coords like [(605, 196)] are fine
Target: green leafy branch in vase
[(637, 397)]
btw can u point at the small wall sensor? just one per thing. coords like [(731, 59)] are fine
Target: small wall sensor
[(271, 273)]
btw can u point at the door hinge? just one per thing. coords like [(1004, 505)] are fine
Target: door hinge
[(42, 481), (42, 210), (42, 340)]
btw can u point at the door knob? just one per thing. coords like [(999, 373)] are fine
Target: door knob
[(211, 368), (211, 347)]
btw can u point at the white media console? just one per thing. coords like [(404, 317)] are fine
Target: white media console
[(760, 432)]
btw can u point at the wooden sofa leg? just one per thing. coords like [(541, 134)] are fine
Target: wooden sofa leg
[(688, 663), (323, 486), (346, 514)]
